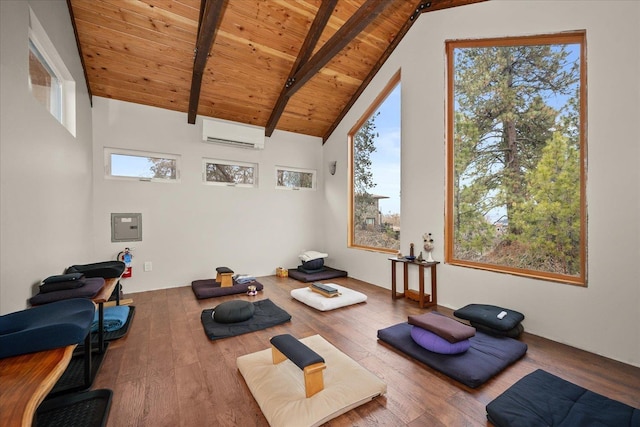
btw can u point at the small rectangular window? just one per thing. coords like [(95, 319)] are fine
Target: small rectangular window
[(295, 179), (141, 165), (235, 174)]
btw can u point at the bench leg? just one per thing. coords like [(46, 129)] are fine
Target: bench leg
[(313, 376), (277, 356), (313, 379)]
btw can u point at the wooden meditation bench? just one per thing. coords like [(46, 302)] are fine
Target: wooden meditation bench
[(312, 364), (224, 275)]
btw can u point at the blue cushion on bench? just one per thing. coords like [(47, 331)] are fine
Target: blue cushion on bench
[(301, 355), (45, 327)]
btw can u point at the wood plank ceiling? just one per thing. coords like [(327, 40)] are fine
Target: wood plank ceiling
[(278, 64)]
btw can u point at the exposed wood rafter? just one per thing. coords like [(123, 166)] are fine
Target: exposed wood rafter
[(318, 25), (210, 15), (358, 22), (421, 7)]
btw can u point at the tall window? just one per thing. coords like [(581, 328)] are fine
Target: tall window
[(374, 220), (516, 156), (50, 81)]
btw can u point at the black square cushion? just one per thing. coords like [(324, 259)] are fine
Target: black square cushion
[(543, 399), (487, 315), (233, 311), (224, 270)]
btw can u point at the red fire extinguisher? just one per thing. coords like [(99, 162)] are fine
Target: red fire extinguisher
[(125, 256)]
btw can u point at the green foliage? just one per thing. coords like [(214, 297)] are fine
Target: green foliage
[(518, 156), (364, 144)]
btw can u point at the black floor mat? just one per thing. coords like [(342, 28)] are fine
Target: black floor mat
[(73, 378), (89, 409)]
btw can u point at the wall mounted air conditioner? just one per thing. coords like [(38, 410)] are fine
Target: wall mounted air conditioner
[(232, 134)]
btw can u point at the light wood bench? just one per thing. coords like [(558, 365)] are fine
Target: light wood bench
[(224, 276), (285, 347)]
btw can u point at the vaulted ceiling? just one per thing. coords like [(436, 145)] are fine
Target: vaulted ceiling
[(294, 65)]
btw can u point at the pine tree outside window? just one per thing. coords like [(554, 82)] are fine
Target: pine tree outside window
[(516, 156)]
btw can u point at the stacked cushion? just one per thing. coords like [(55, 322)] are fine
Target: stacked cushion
[(440, 334), (312, 261), (484, 317), (62, 282), (90, 288)]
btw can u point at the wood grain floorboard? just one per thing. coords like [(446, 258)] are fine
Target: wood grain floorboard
[(166, 372)]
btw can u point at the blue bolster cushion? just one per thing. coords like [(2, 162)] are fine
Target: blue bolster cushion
[(45, 327), (301, 355)]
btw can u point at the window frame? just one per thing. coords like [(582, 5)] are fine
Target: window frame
[(313, 172), (206, 161), (375, 105), (569, 37), (108, 152), (46, 51)]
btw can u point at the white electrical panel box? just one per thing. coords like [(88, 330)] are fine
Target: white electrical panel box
[(126, 227)]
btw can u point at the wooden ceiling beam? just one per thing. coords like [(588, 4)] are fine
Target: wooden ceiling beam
[(210, 15), (84, 67), (317, 27), (421, 7), (354, 26)]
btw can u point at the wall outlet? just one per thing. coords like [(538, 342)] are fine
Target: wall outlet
[(148, 266)]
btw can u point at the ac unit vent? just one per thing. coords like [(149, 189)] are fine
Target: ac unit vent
[(232, 134)]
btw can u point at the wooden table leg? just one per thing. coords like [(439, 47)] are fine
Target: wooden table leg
[(421, 286), (393, 280), (406, 277), (434, 294)]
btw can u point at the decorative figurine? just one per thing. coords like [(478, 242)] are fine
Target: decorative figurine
[(252, 290), (428, 246), (420, 259)]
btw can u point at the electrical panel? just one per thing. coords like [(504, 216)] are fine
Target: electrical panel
[(126, 227)]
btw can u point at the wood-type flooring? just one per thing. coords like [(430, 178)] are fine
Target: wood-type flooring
[(166, 372)]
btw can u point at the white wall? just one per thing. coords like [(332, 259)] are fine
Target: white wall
[(602, 318), (190, 228), (45, 173)]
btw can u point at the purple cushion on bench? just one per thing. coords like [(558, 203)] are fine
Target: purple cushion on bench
[(432, 342)]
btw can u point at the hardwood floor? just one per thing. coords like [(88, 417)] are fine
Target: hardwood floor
[(166, 372)]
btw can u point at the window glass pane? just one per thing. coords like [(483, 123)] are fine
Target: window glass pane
[(376, 175), (218, 172), (295, 178), (137, 166), (516, 200), (45, 85)]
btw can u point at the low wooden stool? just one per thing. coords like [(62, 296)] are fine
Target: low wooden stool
[(224, 276), (285, 347)]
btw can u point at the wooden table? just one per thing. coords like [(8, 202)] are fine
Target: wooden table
[(25, 380), (424, 300)]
